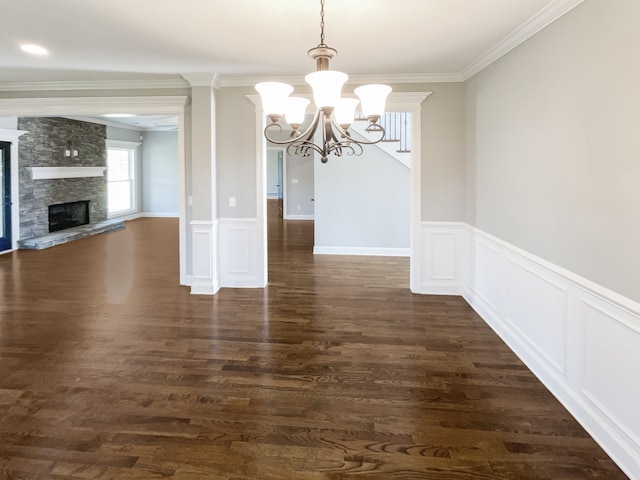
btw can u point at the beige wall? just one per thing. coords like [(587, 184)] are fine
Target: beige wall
[(553, 145), (443, 118)]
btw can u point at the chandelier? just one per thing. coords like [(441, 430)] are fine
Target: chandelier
[(333, 115)]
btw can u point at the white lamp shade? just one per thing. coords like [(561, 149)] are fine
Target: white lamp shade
[(373, 98), (327, 87), (274, 97), (296, 109), (345, 110)]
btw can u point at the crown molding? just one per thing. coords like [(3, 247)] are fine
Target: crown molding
[(528, 29), (202, 79), (535, 24), (61, 106), (353, 79), (93, 85)]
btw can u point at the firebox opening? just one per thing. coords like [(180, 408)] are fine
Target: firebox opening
[(68, 215)]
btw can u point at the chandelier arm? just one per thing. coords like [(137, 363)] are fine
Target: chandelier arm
[(351, 148), (304, 136), (345, 133)]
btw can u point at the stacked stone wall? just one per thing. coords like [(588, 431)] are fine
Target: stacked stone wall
[(44, 146)]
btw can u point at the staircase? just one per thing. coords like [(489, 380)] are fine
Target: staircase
[(397, 138)]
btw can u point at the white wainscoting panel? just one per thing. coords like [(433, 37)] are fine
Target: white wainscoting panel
[(239, 248), (205, 266), (580, 339), (542, 325), (611, 379), (483, 274), (442, 257)]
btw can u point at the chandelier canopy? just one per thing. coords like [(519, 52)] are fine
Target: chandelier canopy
[(334, 113)]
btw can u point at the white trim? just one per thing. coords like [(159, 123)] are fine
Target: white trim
[(353, 79), (442, 262), (48, 173), (239, 250), (364, 251), (261, 188), (397, 101), (160, 215), (535, 24), (563, 327), (126, 217), (412, 102), (299, 217), (121, 144), (204, 234), (202, 79), (61, 106), (93, 85)]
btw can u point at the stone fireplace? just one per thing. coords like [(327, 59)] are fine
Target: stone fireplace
[(68, 215), (44, 146)]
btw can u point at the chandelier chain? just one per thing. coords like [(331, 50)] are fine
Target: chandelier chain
[(322, 44)]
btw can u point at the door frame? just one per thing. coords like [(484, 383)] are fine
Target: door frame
[(13, 137), (5, 187), (65, 106), (397, 101)]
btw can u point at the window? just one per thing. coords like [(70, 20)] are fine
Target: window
[(121, 185)]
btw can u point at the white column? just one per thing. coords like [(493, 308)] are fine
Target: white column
[(204, 217)]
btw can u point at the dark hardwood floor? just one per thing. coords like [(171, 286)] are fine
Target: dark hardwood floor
[(110, 370)]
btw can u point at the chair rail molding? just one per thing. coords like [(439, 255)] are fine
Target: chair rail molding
[(579, 338)]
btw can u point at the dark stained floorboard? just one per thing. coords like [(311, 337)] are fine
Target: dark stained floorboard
[(110, 370)]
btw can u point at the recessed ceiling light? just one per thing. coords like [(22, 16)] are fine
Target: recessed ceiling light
[(118, 115), (34, 50)]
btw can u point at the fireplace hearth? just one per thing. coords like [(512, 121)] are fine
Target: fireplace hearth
[(68, 215)]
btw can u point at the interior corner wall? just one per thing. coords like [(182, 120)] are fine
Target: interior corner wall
[(443, 153), (553, 145)]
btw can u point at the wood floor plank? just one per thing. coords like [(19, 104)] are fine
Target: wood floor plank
[(110, 370)]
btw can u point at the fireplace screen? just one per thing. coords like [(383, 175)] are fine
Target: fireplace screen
[(67, 215)]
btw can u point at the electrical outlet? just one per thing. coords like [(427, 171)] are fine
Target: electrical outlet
[(232, 201)]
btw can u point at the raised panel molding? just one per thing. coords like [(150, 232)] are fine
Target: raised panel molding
[(239, 244), (442, 257), (580, 339), (204, 280), (611, 358), (542, 325)]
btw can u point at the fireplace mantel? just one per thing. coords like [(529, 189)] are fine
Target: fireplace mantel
[(47, 173)]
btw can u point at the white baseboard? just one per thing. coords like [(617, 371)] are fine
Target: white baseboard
[(299, 217), (365, 251), (580, 339), (160, 214), (128, 217)]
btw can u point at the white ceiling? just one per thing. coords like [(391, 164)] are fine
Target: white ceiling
[(161, 39)]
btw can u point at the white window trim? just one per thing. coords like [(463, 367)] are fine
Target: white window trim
[(125, 145)]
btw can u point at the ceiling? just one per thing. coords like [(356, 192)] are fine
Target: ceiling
[(139, 42), (244, 40)]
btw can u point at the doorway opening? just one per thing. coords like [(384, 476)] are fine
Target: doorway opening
[(5, 196)]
